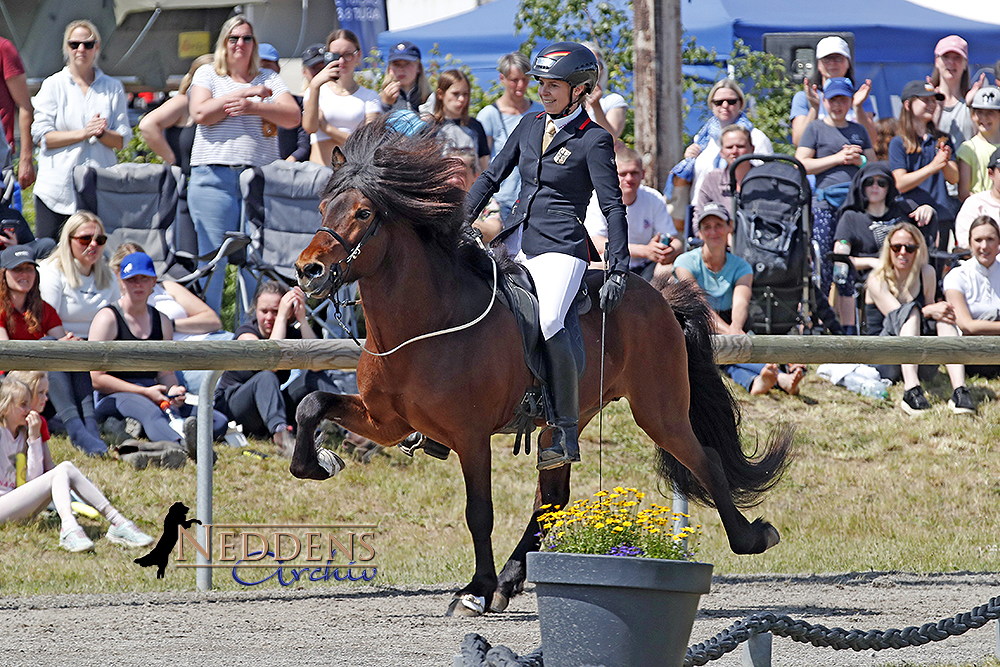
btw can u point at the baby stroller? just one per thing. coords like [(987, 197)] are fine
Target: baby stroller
[(772, 211)]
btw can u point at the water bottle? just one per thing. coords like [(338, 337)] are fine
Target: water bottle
[(176, 421), (865, 386), (840, 273)]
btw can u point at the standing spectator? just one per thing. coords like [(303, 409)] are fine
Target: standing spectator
[(293, 142), (451, 116), (653, 241), (900, 301), (405, 85), (981, 203), (334, 103), (974, 154), (833, 60), (15, 103), (833, 149), (81, 117), (237, 107), (609, 111), (922, 158), (951, 79), (500, 118), (169, 129)]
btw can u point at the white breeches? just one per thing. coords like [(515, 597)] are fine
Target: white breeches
[(557, 280)]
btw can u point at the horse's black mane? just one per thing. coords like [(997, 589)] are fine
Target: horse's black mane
[(406, 177)]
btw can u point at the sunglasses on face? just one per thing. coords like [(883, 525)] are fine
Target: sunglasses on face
[(910, 248), (881, 182), (87, 239), (89, 44), (730, 102), (246, 39)]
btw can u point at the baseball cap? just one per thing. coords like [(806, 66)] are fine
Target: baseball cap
[(404, 51), (987, 97), (267, 52), (313, 55), (713, 208), (838, 85), (137, 264), (16, 255), (992, 164), (952, 43), (831, 45), (920, 89)]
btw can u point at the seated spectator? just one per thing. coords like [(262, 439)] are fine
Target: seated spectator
[(488, 222), (169, 129), (727, 281), (885, 130), (735, 142), (75, 278), (23, 433), (873, 205), (25, 316), (982, 203), (974, 154), (144, 396), (653, 241), (192, 318), (900, 302), (973, 288)]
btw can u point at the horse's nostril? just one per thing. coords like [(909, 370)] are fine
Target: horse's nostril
[(312, 270)]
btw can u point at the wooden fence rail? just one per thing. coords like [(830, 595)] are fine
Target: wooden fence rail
[(344, 354)]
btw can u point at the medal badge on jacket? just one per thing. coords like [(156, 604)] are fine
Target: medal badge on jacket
[(562, 155)]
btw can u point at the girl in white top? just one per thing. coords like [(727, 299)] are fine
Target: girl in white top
[(81, 117), (334, 104), (43, 481), (973, 287), (75, 278)]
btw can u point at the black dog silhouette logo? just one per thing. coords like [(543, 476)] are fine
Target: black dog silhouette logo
[(160, 555)]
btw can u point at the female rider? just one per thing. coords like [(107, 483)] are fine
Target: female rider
[(563, 157)]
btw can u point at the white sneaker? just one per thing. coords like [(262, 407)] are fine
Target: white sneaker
[(75, 541), (128, 535)]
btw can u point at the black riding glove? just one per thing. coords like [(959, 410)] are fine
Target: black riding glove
[(612, 291)]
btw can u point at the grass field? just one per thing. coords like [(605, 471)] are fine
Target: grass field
[(870, 489)]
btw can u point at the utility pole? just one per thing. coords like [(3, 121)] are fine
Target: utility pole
[(657, 80)]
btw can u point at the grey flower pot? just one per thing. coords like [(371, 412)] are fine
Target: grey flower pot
[(616, 611)]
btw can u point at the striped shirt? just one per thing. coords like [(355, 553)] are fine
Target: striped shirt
[(235, 140)]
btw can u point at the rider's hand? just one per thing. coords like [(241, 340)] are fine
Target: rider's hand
[(612, 291)]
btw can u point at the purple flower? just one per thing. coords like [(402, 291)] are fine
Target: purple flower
[(626, 550)]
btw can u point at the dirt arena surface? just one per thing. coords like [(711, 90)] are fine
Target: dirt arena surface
[(373, 626)]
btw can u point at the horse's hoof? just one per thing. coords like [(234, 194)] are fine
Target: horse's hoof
[(771, 537), (467, 605), (329, 461), (500, 602)]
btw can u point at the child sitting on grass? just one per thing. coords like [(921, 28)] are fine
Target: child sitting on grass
[(21, 434)]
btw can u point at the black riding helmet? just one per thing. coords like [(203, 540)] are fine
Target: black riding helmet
[(570, 62)]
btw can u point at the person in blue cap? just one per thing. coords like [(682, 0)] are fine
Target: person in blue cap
[(405, 85)]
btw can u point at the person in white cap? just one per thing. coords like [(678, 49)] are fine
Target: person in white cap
[(951, 79), (833, 59), (974, 154)]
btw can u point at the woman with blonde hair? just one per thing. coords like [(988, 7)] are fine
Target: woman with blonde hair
[(334, 104), (81, 117), (900, 301), (237, 106), (169, 129)]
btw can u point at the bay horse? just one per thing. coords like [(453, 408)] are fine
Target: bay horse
[(392, 222)]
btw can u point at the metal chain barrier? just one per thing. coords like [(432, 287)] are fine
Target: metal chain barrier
[(477, 652)]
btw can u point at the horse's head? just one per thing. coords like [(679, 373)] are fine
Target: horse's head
[(350, 221)]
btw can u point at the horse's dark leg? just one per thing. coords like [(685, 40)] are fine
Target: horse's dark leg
[(475, 598), (553, 489)]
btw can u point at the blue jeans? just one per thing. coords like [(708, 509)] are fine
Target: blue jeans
[(215, 203), (743, 374)]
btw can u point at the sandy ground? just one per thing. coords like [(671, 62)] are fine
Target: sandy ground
[(363, 625)]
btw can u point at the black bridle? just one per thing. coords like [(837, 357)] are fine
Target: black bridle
[(339, 270)]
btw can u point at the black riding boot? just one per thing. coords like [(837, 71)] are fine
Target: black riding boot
[(564, 387)]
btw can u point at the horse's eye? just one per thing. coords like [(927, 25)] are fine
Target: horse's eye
[(363, 214)]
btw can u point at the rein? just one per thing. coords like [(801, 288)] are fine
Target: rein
[(352, 254)]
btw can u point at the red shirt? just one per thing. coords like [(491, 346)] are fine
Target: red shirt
[(11, 66), (20, 332)]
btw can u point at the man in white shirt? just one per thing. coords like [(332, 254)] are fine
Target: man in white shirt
[(653, 241)]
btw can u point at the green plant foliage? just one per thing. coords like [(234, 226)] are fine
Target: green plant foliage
[(137, 150)]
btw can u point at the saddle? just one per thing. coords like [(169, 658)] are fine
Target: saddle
[(518, 291)]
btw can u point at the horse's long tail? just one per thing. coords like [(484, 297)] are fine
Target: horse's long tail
[(715, 414)]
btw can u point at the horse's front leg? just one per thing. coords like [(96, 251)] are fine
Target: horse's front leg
[(347, 411), (475, 598)]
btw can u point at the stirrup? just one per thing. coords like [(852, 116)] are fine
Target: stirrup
[(561, 451), (412, 443)]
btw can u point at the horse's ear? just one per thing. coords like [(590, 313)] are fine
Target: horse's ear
[(322, 205), (338, 160)]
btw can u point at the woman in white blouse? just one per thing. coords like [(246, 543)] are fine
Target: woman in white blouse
[(81, 117), (973, 287)]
